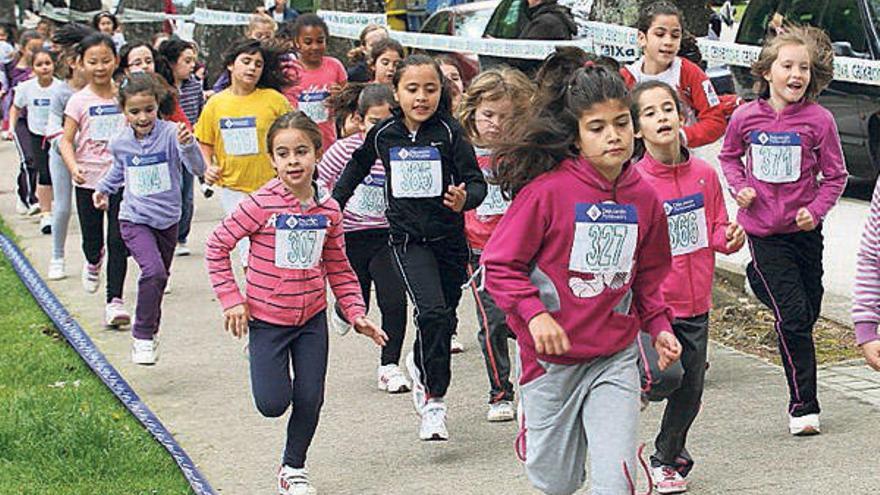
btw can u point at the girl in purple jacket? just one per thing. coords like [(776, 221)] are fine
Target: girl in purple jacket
[(788, 141)]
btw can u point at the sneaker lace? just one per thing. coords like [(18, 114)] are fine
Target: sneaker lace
[(296, 477)]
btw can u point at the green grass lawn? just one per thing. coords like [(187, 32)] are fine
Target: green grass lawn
[(61, 431)]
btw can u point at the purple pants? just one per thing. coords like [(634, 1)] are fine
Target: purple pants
[(153, 251)]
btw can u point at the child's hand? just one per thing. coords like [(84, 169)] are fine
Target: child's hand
[(334, 89), (667, 348), (99, 199), (805, 220), (736, 236), (549, 337), (369, 329), (212, 174), (236, 320), (7, 135), (455, 198), (79, 176), (871, 350), (745, 197), (184, 136)]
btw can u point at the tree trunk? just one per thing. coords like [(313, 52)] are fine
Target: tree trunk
[(626, 13), (213, 40), (143, 31)]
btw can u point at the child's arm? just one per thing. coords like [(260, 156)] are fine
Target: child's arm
[(834, 175), (711, 124), (114, 179), (358, 167), (653, 261), (14, 110), (468, 172), (725, 236), (866, 293), (67, 149), (189, 151), (731, 157)]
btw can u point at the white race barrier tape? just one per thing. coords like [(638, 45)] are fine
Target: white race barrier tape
[(86, 349)]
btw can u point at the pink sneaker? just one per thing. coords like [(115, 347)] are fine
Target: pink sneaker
[(668, 480), (115, 315)]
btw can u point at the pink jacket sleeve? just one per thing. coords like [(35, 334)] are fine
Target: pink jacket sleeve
[(717, 211), (246, 219), (833, 168), (731, 156), (343, 282), (711, 122), (653, 262)]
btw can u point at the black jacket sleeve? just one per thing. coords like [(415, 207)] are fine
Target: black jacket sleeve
[(356, 169), (467, 170)]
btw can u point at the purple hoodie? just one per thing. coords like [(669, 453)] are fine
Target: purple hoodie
[(785, 153)]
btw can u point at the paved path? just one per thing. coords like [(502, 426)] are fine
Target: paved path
[(366, 443)]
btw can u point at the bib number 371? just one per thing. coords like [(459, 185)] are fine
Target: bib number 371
[(605, 237), (299, 240)]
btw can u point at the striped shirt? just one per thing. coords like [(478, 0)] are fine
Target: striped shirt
[(284, 295), (192, 99), (357, 215), (866, 293)]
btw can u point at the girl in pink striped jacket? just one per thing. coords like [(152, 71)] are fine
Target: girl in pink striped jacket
[(297, 246)]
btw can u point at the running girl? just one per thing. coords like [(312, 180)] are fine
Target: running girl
[(866, 305), (494, 97), (298, 249), (107, 23), (788, 140), (384, 57), (91, 119), (698, 228), (359, 56), (431, 177), (660, 33), (366, 236), (577, 263), (142, 57), (233, 125), (148, 159)]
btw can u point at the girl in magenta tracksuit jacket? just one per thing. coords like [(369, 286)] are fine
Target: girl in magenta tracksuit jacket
[(698, 228), (297, 249), (788, 141), (577, 263)]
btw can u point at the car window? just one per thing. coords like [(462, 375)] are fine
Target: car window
[(437, 24), (472, 24), (843, 22), (755, 21), (506, 21), (841, 19)]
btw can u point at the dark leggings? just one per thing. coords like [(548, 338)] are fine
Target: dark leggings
[(40, 153), (370, 257), (273, 349), (91, 223), (27, 174)]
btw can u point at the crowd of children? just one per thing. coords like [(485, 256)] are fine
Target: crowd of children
[(570, 204)]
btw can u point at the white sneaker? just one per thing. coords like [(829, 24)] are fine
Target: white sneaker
[(419, 394), (182, 250), (341, 326), (668, 480), (56, 269), (391, 379), (115, 314), (455, 346), (20, 207), (501, 411), (803, 426), (434, 421), (293, 481), (91, 277), (144, 351), (46, 223), (33, 209)]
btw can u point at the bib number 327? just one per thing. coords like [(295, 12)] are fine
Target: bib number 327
[(605, 237), (299, 240)]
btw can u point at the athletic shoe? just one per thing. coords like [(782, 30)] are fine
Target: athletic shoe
[(803, 426), (501, 411), (33, 209), (115, 314), (668, 480), (207, 190), (20, 207), (341, 326), (434, 421), (391, 379), (46, 223), (144, 351), (168, 286), (182, 249), (91, 277), (292, 481), (455, 346), (56, 269), (419, 394)]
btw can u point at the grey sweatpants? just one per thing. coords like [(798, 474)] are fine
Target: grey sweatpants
[(571, 407)]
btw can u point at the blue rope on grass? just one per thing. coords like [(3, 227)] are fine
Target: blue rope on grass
[(86, 349)]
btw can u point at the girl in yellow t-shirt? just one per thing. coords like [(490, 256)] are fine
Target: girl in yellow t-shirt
[(233, 126)]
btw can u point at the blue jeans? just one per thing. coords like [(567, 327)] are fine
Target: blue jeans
[(186, 206)]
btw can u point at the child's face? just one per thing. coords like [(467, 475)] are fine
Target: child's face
[(662, 41), (351, 124), (451, 73), (294, 157), (789, 75), (141, 60), (373, 37), (261, 32), (418, 93), (247, 69), (99, 62), (311, 43), (605, 135), (185, 65), (31, 46), (490, 117), (385, 66), (43, 66), (141, 111), (374, 115), (200, 72), (659, 120), (105, 25)]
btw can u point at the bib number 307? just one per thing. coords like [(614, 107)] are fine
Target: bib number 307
[(299, 241), (605, 237)]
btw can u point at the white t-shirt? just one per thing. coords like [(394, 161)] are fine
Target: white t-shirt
[(36, 99)]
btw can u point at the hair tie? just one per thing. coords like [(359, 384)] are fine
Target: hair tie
[(589, 63)]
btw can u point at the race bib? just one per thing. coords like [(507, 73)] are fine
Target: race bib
[(312, 104), (494, 204), (687, 224), (299, 240), (239, 136), (416, 172), (40, 109), (605, 237), (105, 121), (776, 156), (148, 174), (368, 199)]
